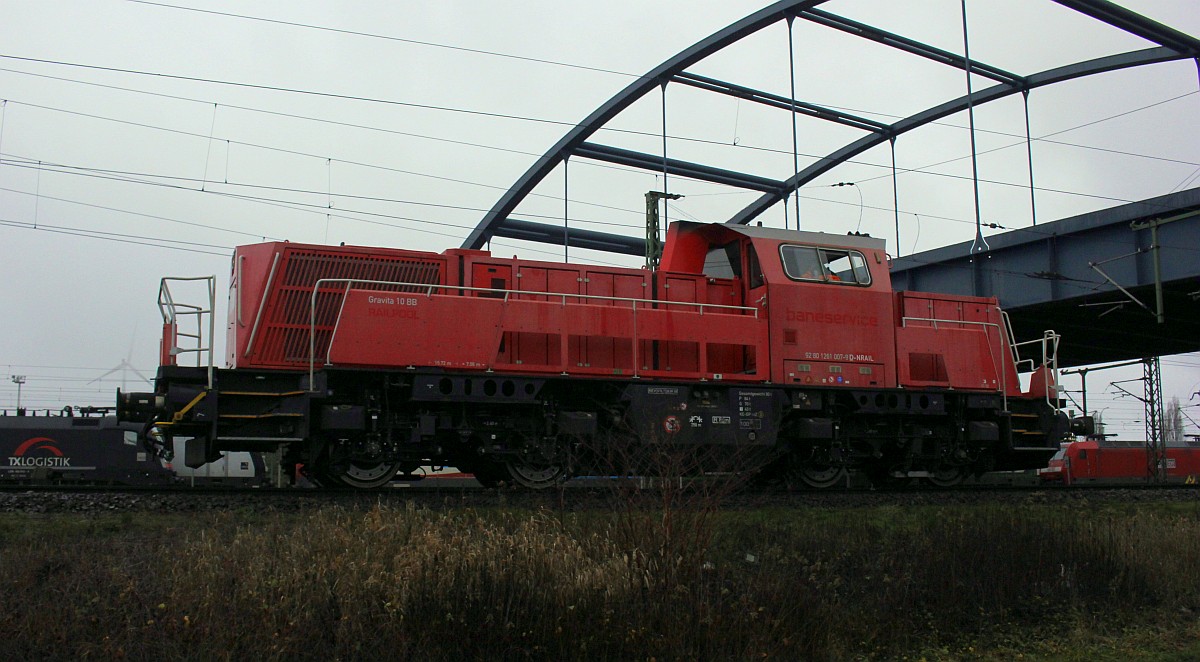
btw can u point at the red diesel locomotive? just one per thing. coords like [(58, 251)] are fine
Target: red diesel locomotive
[(783, 346)]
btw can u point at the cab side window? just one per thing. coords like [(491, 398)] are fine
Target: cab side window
[(802, 263), (724, 261), (829, 265)]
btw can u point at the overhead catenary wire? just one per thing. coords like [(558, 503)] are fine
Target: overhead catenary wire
[(315, 208), (290, 90), (1046, 139), (496, 187), (739, 144), (619, 130), (375, 35), (129, 176), (174, 181), (531, 59), (141, 214), (632, 211), (376, 166), (157, 242), (629, 211), (549, 216)]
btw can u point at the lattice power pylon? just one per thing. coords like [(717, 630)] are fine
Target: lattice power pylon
[(1156, 452)]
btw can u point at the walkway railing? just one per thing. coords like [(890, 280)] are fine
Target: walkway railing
[(429, 289)]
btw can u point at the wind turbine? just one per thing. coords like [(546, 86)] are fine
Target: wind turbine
[(125, 366)]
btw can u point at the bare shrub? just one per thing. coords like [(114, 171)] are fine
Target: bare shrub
[(664, 499)]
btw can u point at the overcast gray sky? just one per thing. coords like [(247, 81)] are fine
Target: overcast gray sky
[(126, 154)]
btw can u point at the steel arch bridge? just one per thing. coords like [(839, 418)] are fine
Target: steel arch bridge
[(1172, 45)]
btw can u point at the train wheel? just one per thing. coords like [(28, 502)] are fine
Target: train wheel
[(364, 476), (816, 468), (948, 476), (821, 477), (539, 464), (536, 476)]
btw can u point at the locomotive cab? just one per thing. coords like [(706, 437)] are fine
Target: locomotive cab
[(828, 298), (901, 384)]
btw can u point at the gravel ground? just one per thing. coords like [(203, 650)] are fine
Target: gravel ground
[(121, 501)]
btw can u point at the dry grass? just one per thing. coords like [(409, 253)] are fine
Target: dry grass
[(679, 580)]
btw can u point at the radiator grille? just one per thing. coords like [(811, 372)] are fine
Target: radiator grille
[(285, 341)]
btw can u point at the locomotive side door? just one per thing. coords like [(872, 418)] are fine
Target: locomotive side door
[(756, 296), (756, 285), (747, 288)]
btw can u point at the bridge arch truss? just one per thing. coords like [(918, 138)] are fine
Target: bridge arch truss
[(1172, 45)]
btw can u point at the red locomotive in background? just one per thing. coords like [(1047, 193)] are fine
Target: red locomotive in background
[(1097, 459), (786, 350)]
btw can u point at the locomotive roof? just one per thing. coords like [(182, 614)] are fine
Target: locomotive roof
[(797, 236), (1129, 443)]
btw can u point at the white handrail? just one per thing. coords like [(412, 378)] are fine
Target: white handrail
[(1049, 344), (171, 311)]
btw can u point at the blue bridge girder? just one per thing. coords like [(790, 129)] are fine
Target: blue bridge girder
[(1091, 278)]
